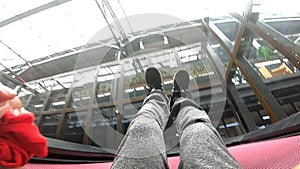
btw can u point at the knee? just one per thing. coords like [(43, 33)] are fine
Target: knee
[(144, 130)]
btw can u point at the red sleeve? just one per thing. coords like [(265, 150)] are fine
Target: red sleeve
[(20, 140)]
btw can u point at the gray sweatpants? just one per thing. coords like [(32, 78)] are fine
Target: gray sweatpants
[(143, 145)]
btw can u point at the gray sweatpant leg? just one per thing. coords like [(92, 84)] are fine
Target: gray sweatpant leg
[(143, 145), (201, 146)]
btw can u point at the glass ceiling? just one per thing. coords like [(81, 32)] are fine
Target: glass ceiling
[(72, 23)]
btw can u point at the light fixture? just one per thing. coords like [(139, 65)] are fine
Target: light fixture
[(141, 45), (266, 117), (38, 105), (119, 55), (166, 41), (58, 103)]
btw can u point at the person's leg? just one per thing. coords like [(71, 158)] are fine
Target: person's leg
[(143, 145), (201, 146)]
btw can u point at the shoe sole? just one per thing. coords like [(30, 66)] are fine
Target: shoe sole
[(182, 79), (153, 77)]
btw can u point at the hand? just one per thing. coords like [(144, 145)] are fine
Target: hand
[(8, 101)]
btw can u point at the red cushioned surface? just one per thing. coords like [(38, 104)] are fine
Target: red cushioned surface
[(280, 153), (274, 154)]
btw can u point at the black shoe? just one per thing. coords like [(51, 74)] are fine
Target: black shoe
[(153, 80), (181, 83)]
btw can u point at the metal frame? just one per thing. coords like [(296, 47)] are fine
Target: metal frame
[(260, 87), (238, 103), (266, 98), (32, 11)]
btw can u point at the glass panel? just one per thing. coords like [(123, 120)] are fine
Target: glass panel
[(131, 109), (107, 82), (284, 17), (229, 26), (103, 128), (217, 47), (232, 127), (135, 77), (223, 130), (260, 123), (267, 61), (24, 96), (48, 125), (73, 127), (36, 104), (57, 99), (238, 78), (104, 92), (81, 95)]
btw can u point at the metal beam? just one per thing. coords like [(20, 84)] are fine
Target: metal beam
[(18, 82), (261, 91), (273, 37), (238, 39), (89, 117), (238, 102), (263, 94), (45, 107), (219, 35), (241, 108), (120, 105), (280, 38), (32, 11), (61, 121), (244, 115), (108, 24)]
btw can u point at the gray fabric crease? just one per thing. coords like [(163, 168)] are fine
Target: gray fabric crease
[(143, 146)]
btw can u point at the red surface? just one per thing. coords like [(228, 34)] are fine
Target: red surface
[(274, 154), (20, 139)]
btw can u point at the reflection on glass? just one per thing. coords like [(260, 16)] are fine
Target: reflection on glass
[(232, 127), (48, 125), (81, 95), (104, 90), (267, 61), (73, 127), (24, 95), (104, 127), (107, 82), (57, 99), (129, 110), (36, 104)]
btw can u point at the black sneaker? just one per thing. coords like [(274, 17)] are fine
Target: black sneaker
[(181, 83), (153, 80)]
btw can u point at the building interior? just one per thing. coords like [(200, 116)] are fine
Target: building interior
[(243, 66)]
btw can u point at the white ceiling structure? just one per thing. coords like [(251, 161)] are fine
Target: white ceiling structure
[(70, 24), (26, 35), (74, 22)]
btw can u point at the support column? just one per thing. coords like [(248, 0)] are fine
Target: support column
[(63, 114), (246, 119), (87, 128)]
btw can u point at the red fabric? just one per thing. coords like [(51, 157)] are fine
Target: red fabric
[(20, 140)]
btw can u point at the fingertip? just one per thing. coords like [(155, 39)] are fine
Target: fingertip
[(6, 93)]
